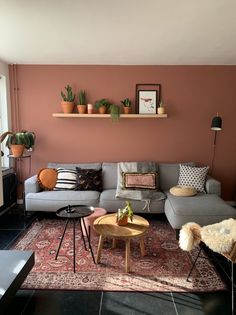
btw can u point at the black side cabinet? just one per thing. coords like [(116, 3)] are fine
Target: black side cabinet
[(9, 190)]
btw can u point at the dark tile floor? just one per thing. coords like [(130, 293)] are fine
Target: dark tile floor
[(42, 302)]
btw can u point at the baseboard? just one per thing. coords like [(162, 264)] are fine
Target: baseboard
[(231, 203), (20, 201)]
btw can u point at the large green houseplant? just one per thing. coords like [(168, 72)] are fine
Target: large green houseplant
[(68, 99), (18, 141)]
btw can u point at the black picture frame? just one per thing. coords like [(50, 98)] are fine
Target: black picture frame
[(152, 94)]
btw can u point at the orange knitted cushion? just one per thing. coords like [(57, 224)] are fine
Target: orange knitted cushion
[(47, 178)]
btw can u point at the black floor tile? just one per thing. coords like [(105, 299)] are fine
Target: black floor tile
[(19, 302), (135, 303), (7, 237), (215, 303), (63, 302)]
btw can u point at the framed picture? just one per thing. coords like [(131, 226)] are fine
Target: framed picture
[(147, 102), (147, 98)]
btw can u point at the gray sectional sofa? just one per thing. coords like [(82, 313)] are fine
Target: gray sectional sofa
[(204, 208)]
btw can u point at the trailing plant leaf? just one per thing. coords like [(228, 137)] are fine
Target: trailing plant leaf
[(114, 112)]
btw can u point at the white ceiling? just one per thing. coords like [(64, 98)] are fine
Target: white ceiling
[(118, 32)]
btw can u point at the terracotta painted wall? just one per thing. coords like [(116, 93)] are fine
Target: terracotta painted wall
[(192, 94)]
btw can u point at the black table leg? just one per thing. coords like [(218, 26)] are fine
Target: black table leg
[(88, 238), (62, 239), (82, 233), (74, 240), (194, 263)]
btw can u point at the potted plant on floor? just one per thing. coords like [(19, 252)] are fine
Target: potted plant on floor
[(82, 107), (102, 106), (124, 214), (68, 100), (18, 141), (127, 105)]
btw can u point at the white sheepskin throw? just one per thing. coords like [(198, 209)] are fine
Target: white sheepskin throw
[(220, 237), (189, 236)]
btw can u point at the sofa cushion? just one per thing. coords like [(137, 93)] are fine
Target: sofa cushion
[(202, 208), (66, 179), (109, 202), (89, 179), (53, 200), (47, 178), (193, 176), (169, 174)]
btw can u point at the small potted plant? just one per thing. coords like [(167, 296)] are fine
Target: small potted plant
[(161, 108), (18, 141), (102, 106), (68, 100), (127, 105), (124, 214), (82, 107)]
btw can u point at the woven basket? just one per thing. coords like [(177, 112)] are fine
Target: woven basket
[(183, 191)]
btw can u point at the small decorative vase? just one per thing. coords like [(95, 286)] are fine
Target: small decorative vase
[(161, 110), (102, 110), (122, 221), (127, 110), (67, 107), (17, 149), (82, 109), (90, 108)]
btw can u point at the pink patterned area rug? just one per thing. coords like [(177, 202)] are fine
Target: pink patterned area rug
[(164, 268)]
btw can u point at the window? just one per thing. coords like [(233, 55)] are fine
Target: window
[(4, 118)]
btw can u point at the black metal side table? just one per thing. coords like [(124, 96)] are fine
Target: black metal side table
[(76, 212)]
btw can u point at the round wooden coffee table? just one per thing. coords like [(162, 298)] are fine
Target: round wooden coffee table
[(106, 226)]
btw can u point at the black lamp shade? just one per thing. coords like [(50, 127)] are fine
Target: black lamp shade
[(216, 123)]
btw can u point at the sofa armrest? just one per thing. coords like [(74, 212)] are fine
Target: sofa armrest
[(31, 185), (213, 186)]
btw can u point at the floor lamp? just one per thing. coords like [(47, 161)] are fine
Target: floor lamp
[(216, 125)]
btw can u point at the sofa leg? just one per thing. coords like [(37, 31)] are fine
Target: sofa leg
[(177, 233)]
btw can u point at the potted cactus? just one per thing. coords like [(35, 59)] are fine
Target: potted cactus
[(125, 213), (68, 100), (127, 105), (81, 106), (18, 141)]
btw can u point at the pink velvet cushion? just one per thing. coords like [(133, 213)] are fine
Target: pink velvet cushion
[(140, 180)]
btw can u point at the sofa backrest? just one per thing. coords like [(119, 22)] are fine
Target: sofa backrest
[(109, 175), (95, 166), (169, 174)]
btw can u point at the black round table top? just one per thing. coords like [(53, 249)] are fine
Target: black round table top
[(75, 211)]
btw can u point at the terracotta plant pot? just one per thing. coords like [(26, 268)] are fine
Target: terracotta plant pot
[(82, 109), (67, 107), (127, 110), (102, 110), (123, 221), (17, 150)]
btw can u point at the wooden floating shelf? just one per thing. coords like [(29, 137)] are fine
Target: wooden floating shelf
[(76, 115)]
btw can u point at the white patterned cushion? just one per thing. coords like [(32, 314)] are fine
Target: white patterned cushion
[(66, 179), (193, 176)]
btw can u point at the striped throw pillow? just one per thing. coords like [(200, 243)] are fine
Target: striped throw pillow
[(66, 179)]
